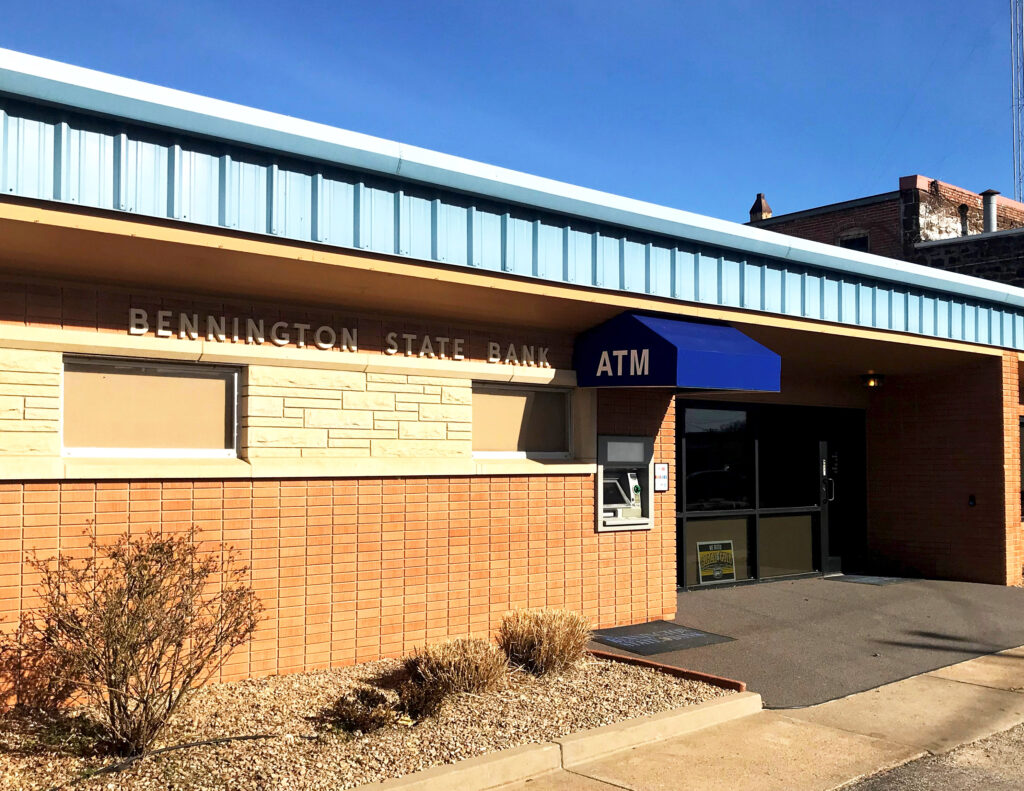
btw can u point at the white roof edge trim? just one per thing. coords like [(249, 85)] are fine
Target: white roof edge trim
[(88, 90)]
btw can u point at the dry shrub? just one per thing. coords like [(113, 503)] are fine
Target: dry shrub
[(142, 622), (32, 675), (419, 701), (362, 709), (463, 665), (545, 640)]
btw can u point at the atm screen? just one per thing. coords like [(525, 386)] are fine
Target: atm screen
[(614, 494)]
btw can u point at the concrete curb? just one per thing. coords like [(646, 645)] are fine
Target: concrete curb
[(475, 774), (578, 748), (533, 760)]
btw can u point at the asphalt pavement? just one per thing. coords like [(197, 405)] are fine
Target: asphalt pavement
[(807, 641), (993, 764)]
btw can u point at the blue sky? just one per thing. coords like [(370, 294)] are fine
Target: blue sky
[(696, 105)]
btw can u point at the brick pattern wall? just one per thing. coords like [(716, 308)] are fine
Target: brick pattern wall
[(650, 413), (29, 403), (300, 412), (932, 442), (351, 570), (926, 210), (880, 220)]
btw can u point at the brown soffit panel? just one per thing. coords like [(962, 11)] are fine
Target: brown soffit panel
[(93, 247)]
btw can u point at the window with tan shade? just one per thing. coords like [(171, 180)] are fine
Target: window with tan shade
[(143, 409), (520, 421)]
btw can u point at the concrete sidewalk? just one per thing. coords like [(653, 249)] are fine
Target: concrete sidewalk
[(820, 747)]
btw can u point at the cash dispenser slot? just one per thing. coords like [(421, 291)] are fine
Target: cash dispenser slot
[(625, 498)]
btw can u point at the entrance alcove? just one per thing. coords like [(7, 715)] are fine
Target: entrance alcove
[(828, 475)]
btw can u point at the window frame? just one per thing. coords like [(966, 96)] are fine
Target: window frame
[(159, 368), (855, 236), (542, 455)]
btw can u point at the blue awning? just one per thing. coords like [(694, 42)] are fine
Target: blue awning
[(634, 350)]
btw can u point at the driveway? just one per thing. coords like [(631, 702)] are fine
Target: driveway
[(808, 641)]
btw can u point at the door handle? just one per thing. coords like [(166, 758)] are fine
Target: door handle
[(830, 487)]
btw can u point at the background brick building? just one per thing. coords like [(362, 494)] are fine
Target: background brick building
[(925, 221)]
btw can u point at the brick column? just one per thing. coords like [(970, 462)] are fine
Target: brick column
[(651, 555), (1012, 411)]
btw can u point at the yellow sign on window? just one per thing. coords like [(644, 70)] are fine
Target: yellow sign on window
[(715, 562)]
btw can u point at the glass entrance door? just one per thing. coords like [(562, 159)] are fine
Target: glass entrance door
[(790, 497), (756, 486)]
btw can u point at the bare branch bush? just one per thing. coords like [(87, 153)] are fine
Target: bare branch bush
[(33, 676), (143, 622)]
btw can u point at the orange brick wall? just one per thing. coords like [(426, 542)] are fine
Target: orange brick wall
[(932, 442), (351, 570), (650, 413)]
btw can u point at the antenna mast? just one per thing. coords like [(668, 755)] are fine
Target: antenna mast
[(1017, 106)]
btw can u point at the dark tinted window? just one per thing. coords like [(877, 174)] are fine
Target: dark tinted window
[(788, 463), (719, 460), (855, 243)]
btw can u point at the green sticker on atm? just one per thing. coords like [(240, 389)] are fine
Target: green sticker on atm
[(715, 562)]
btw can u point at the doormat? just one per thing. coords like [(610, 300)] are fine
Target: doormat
[(867, 579), (656, 637)]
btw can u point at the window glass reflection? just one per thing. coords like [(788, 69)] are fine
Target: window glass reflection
[(700, 421), (719, 460)]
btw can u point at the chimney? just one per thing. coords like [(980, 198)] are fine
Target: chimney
[(988, 205), (760, 210)]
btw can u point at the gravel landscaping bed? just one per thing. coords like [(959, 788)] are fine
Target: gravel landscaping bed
[(302, 752)]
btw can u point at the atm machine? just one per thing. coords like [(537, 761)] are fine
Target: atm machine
[(625, 499)]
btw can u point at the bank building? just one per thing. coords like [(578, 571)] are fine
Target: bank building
[(416, 391)]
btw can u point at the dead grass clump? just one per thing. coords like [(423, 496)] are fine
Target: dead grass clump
[(419, 701), (362, 710), (463, 665), (545, 640), (426, 679)]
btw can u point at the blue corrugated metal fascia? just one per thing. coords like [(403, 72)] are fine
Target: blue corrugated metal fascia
[(83, 89)]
